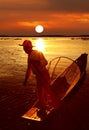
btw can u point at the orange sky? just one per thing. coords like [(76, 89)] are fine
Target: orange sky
[(65, 17)]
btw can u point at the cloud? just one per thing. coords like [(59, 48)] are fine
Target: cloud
[(45, 5), (70, 5), (22, 15), (15, 5)]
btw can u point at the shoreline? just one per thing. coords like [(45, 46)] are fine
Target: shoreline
[(44, 35)]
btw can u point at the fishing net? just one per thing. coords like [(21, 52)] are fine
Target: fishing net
[(64, 73)]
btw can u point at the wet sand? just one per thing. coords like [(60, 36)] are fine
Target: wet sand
[(16, 100)]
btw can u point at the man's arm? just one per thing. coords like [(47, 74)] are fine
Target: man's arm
[(28, 73)]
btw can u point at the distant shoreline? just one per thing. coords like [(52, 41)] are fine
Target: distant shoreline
[(44, 35)]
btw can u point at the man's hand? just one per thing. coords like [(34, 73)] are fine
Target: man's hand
[(25, 83)]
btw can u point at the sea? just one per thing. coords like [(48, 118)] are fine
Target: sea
[(13, 63)]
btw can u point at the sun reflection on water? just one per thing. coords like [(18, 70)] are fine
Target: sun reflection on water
[(39, 45)]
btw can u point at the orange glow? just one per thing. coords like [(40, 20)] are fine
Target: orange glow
[(27, 23), (59, 20), (54, 22)]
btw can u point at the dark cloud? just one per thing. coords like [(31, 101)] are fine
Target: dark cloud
[(26, 5), (70, 5), (46, 5)]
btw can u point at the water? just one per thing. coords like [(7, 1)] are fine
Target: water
[(13, 60), (13, 63)]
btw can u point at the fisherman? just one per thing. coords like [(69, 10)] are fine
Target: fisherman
[(37, 64)]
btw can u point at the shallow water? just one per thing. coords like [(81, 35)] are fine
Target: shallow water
[(13, 63), (13, 60)]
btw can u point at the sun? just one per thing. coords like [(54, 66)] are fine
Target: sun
[(39, 28)]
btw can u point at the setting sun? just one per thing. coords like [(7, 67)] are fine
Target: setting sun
[(40, 45), (39, 28)]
